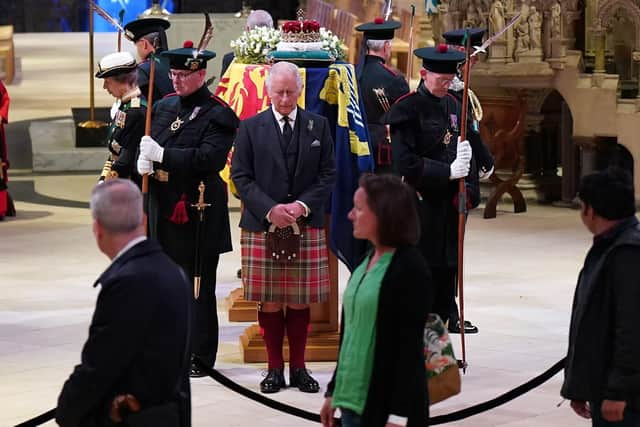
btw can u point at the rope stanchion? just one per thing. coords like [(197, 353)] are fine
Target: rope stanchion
[(440, 419), (311, 416), (40, 419), (500, 400)]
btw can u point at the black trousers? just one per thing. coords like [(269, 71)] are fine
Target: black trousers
[(445, 281), (180, 246)]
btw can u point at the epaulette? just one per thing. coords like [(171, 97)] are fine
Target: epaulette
[(219, 100), (393, 72), (406, 95)]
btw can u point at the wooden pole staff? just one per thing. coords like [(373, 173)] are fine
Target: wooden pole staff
[(462, 198)]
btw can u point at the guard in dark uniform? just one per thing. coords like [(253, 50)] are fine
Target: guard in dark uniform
[(148, 34), (380, 86), (127, 115), (427, 153), (191, 135), (481, 153)]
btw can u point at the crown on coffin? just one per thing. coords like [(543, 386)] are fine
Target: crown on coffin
[(301, 30)]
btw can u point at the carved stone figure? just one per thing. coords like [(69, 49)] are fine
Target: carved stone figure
[(473, 17), (556, 20), (523, 42), (535, 28), (496, 17)]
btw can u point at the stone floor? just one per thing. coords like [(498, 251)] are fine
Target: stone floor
[(520, 273)]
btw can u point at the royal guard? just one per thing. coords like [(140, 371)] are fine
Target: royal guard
[(148, 34), (380, 85)]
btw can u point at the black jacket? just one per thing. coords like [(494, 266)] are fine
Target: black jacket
[(398, 381), (195, 151), (424, 131), (136, 339), (261, 173), (604, 339), (377, 75)]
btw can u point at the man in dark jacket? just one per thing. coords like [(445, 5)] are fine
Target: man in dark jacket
[(191, 135), (138, 336), (380, 86), (149, 37), (602, 374)]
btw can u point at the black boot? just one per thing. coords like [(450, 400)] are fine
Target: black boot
[(300, 378), (273, 382)]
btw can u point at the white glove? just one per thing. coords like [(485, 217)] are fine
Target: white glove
[(461, 165), (150, 149), (487, 174), (144, 165)]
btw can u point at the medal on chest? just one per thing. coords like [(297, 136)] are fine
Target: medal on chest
[(447, 137), (120, 118), (176, 124)]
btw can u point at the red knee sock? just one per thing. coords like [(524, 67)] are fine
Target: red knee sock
[(297, 327), (272, 325)]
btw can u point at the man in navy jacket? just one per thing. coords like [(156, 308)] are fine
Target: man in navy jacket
[(138, 336)]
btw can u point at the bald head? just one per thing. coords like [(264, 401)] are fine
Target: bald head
[(259, 18)]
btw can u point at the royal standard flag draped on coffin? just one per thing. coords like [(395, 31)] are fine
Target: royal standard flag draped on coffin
[(331, 92)]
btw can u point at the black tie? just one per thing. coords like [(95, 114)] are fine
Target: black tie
[(287, 132)]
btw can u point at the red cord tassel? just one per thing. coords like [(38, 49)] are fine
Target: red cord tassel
[(179, 215)]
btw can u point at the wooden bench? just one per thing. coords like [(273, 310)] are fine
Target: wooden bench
[(7, 52)]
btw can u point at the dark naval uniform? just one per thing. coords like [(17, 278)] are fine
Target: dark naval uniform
[(125, 131), (377, 75), (162, 85), (424, 131), (196, 132)]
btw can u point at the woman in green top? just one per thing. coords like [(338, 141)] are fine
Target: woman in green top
[(380, 376)]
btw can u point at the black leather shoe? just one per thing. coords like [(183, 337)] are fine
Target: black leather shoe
[(300, 378), (196, 372), (469, 328), (273, 382)]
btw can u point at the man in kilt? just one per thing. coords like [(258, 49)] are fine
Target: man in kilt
[(284, 170)]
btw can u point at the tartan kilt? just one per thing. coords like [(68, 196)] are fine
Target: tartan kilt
[(302, 281)]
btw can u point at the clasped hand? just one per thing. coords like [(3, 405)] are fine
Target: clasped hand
[(283, 215)]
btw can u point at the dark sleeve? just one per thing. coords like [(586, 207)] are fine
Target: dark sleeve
[(226, 61), (116, 334), (623, 380), (421, 172), (143, 78), (243, 175), (413, 297), (316, 194), (481, 153), (209, 155), (398, 89)]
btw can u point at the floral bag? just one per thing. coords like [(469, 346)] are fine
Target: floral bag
[(443, 375)]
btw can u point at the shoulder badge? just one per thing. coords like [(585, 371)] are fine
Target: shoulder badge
[(389, 69)]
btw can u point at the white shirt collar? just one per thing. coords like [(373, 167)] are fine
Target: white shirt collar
[(128, 246), (278, 116)]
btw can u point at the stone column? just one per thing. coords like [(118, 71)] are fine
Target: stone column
[(599, 39)]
